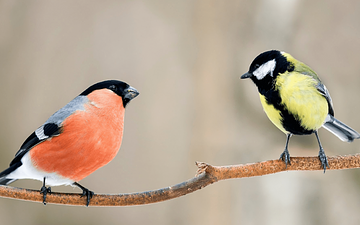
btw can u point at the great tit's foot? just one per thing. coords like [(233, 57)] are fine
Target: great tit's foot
[(86, 192), (323, 159), (44, 190), (285, 156)]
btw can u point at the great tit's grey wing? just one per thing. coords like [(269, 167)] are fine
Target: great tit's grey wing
[(338, 128), (304, 69), (324, 92)]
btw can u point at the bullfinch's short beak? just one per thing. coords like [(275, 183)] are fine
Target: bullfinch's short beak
[(130, 93)]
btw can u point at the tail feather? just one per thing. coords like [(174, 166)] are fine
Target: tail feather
[(3, 175), (5, 181), (339, 129)]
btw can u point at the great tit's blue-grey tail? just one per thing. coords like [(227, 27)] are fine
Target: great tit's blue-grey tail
[(341, 130)]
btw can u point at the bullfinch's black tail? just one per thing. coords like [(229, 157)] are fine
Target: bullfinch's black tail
[(5, 181), (341, 130), (3, 175)]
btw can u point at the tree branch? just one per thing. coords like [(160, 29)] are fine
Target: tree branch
[(206, 174)]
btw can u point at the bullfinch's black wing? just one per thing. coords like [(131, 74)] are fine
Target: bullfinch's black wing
[(41, 134)]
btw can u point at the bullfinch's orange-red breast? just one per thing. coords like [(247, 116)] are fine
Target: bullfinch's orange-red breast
[(75, 141)]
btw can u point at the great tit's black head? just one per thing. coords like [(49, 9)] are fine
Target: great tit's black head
[(122, 89), (266, 66)]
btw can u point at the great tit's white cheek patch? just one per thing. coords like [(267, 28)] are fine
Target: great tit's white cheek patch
[(265, 69)]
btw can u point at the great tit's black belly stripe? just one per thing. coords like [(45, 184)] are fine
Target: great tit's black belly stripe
[(288, 120)]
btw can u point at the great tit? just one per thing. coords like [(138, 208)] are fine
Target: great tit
[(295, 100)]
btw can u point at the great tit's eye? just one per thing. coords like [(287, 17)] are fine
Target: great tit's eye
[(257, 66)]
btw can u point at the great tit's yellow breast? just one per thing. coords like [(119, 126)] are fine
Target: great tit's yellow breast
[(272, 113), (301, 98)]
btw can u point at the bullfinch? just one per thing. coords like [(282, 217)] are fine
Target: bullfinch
[(75, 141)]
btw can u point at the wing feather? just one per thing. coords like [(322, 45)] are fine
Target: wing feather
[(41, 134)]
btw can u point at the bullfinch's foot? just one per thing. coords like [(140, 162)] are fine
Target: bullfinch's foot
[(44, 190), (86, 192), (89, 194)]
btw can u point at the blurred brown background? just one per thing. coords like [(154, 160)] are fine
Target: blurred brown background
[(185, 58)]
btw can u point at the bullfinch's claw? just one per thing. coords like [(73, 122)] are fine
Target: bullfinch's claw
[(44, 190), (86, 192)]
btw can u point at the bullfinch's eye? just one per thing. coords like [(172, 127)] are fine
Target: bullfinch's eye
[(113, 88)]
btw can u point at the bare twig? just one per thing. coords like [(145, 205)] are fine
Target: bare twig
[(206, 175)]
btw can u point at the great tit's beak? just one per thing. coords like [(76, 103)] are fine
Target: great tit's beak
[(246, 75), (130, 93)]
